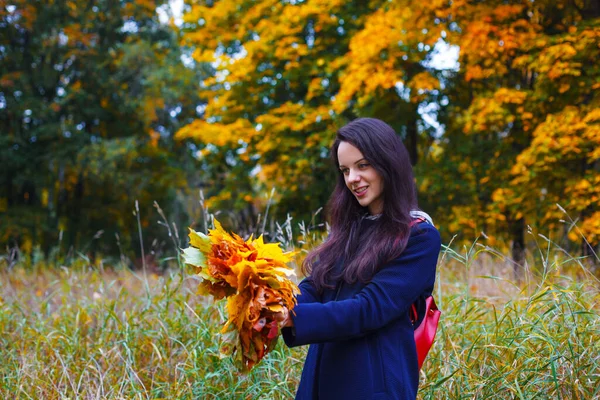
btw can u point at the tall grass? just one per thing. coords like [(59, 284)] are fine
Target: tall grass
[(92, 333), (536, 339), (82, 333)]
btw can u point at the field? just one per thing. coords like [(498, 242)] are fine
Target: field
[(93, 332)]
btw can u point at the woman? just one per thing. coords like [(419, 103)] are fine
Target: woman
[(353, 307)]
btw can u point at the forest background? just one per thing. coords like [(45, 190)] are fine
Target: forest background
[(123, 122), (106, 108)]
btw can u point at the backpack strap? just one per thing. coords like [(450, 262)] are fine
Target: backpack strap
[(417, 220), (413, 313), (418, 214), (414, 316)]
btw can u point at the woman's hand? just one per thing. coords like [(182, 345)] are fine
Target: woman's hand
[(283, 318)]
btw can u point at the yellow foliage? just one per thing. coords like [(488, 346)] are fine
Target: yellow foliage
[(500, 195), (462, 221), (517, 74), (375, 59), (507, 96), (254, 278), (421, 84), (475, 72), (27, 245), (314, 88), (219, 198), (44, 197), (504, 12), (592, 116), (154, 137), (589, 228), (217, 134), (493, 38), (270, 173)]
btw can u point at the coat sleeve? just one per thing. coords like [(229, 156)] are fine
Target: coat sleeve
[(385, 298), (308, 292)]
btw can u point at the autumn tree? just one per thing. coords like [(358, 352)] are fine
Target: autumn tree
[(482, 119), (287, 75), (561, 164), (90, 93)]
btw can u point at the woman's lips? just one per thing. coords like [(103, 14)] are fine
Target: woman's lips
[(361, 191)]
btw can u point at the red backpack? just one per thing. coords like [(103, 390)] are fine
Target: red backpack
[(424, 331)]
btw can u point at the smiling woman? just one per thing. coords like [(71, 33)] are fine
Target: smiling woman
[(379, 259), (361, 178)]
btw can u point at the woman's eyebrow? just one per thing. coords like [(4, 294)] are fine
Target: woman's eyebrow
[(355, 162)]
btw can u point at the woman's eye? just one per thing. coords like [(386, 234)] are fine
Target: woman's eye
[(344, 171), (363, 165)]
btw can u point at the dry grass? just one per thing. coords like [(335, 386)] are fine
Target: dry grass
[(89, 333), (82, 333)]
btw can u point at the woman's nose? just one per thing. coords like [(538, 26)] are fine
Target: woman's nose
[(353, 176)]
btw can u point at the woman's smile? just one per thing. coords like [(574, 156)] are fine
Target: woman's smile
[(361, 191)]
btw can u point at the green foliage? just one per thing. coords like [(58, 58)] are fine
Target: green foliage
[(90, 95)]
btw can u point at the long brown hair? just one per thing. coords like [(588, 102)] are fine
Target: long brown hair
[(384, 150)]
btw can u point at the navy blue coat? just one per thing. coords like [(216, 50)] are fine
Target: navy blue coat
[(362, 344)]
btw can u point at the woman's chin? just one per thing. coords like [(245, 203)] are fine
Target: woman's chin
[(363, 202)]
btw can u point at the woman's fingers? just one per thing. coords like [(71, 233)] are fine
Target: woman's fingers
[(283, 318)]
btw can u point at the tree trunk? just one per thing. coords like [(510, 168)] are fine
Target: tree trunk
[(517, 232), (9, 188), (590, 252), (592, 9), (412, 136), (75, 211), (589, 249)]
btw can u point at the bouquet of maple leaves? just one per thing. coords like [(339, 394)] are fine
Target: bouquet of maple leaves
[(254, 278)]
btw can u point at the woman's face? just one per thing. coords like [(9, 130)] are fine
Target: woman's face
[(361, 178)]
